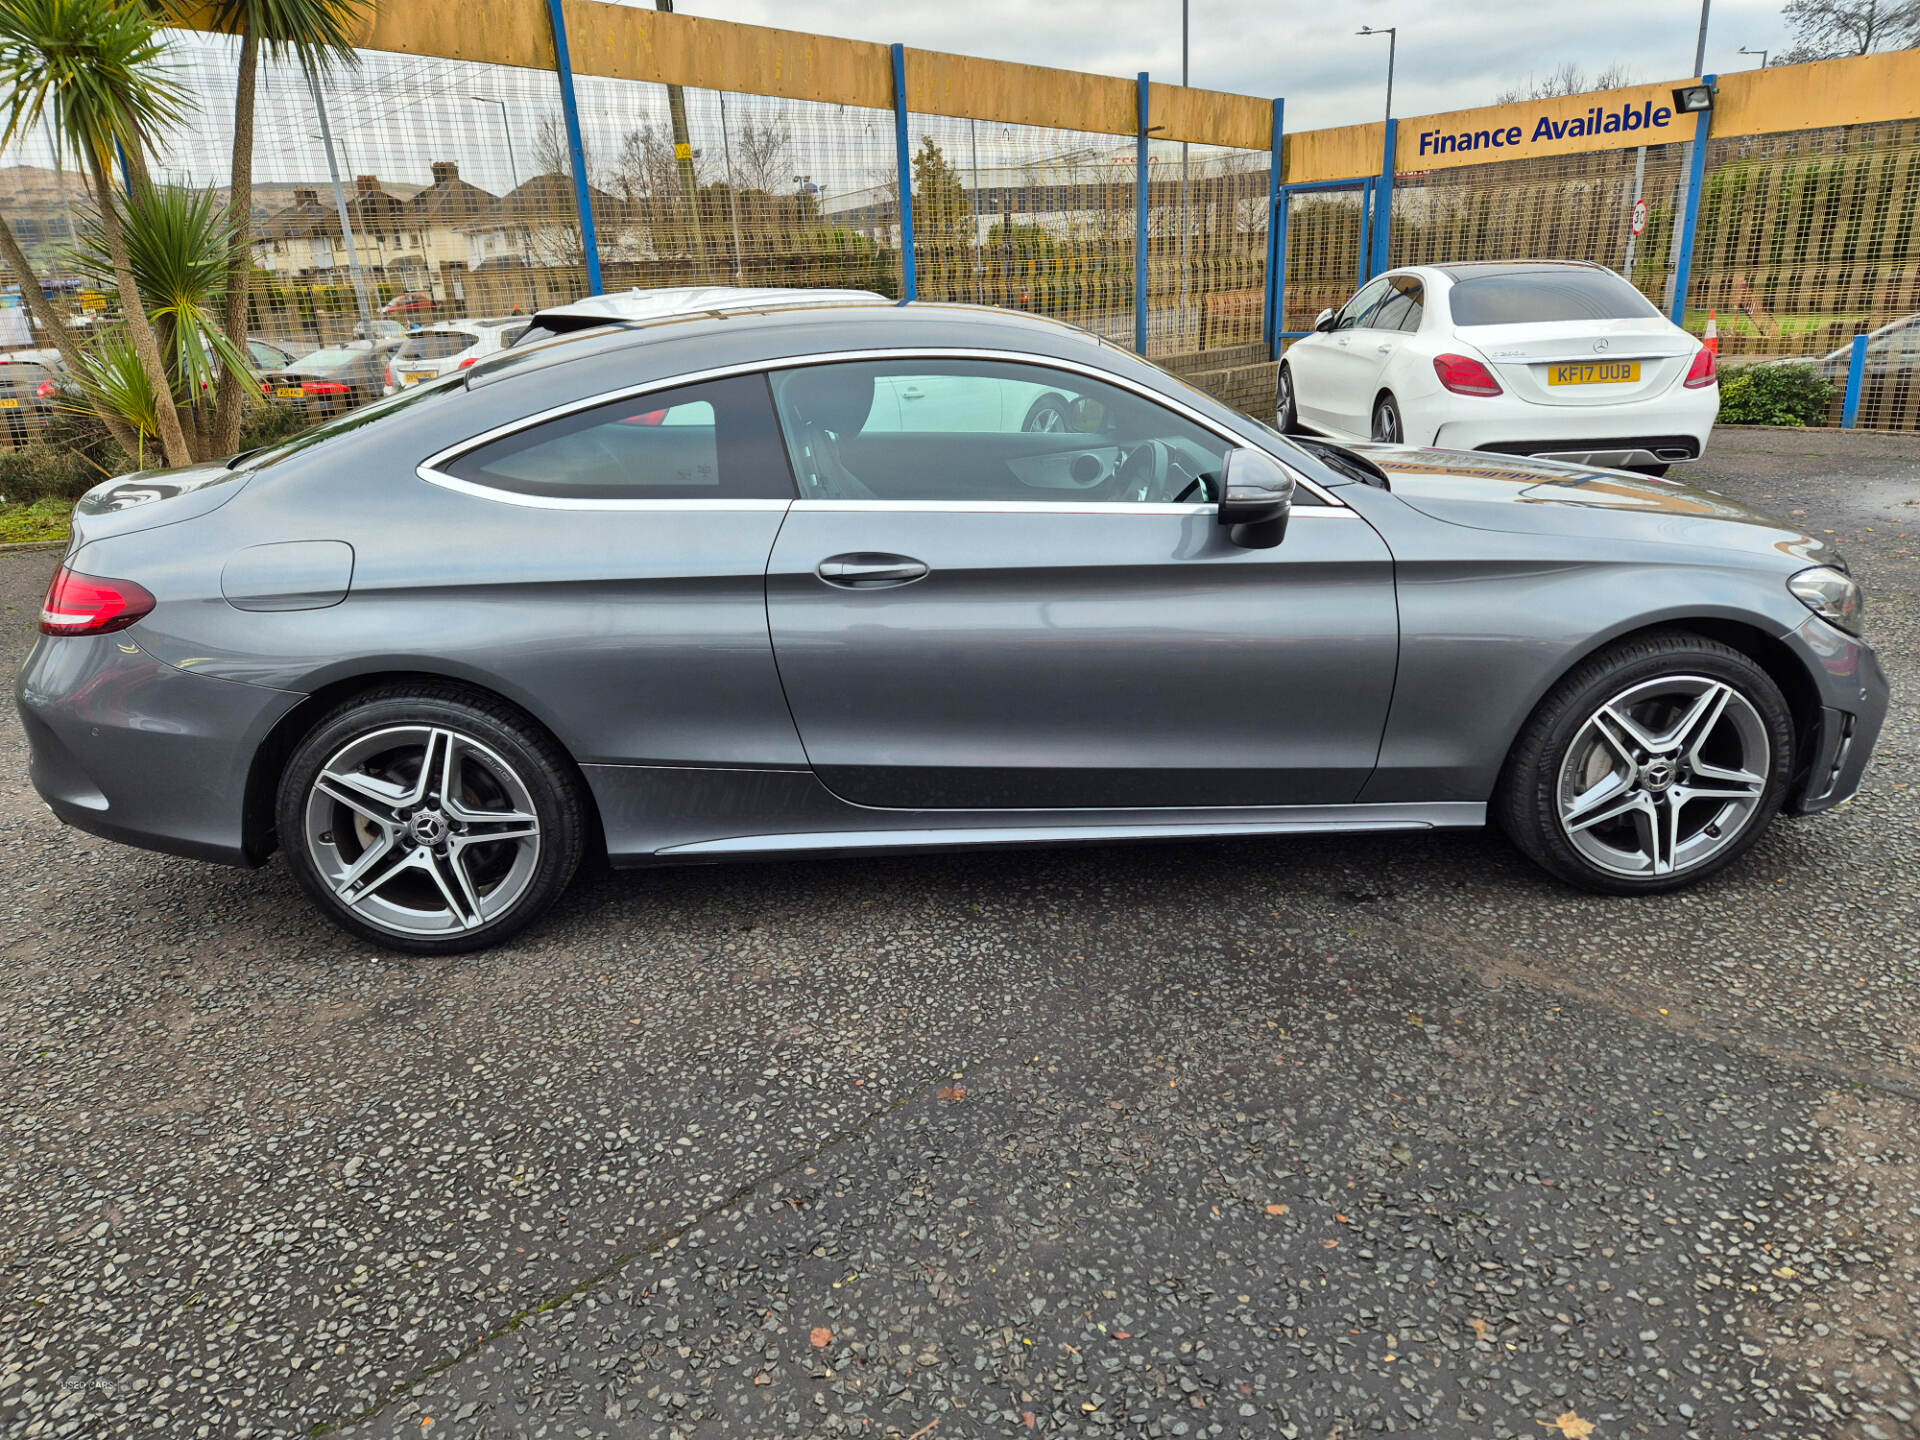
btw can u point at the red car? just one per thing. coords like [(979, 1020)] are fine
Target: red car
[(413, 302)]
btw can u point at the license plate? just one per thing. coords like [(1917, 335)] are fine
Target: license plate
[(1597, 372), (9, 404), (414, 377), (290, 392)]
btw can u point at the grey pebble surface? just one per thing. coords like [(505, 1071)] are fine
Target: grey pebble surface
[(1313, 1139)]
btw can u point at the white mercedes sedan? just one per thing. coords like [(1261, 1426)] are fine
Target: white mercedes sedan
[(1552, 358)]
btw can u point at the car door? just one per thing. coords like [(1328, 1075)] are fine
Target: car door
[(1348, 363), (1016, 619), (1377, 341)]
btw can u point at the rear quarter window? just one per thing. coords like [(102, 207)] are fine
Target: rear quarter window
[(1528, 297)]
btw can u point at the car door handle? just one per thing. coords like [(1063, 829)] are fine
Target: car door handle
[(869, 572), (1383, 349)]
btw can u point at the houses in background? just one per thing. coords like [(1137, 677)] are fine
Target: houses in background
[(434, 238)]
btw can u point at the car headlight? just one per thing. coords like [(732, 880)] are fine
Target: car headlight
[(1833, 595)]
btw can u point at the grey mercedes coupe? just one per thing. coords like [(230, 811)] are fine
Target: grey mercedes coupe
[(785, 577)]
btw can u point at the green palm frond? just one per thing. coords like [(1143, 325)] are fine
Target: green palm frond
[(112, 376), (181, 242), (319, 34), (96, 69)]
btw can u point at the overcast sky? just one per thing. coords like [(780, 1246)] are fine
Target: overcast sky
[(1452, 53)]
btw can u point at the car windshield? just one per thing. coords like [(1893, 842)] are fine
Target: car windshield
[(352, 420), (1527, 297), (436, 344)]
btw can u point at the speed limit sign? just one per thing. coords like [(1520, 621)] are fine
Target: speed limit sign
[(1639, 216)]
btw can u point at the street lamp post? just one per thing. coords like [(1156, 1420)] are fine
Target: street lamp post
[(1761, 53), (1700, 46), (340, 209), (1393, 41), (512, 168)]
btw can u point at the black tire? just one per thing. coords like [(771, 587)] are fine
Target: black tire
[(1049, 413), (1528, 799), (1654, 470), (1388, 428), (550, 781), (1286, 406)]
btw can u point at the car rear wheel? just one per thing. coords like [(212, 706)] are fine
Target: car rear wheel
[(1652, 765), (431, 819), (1654, 470), (1387, 428), (1286, 416), (1048, 414)]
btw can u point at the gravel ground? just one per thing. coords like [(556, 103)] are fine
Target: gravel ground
[(1305, 1138)]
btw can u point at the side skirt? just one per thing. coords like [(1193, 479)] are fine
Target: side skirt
[(663, 815)]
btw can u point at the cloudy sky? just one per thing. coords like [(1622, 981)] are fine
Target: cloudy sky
[(1452, 53)]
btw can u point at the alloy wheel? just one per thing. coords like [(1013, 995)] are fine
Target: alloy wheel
[(1386, 423), (1664, 776), (421, 830), (1284, 407)]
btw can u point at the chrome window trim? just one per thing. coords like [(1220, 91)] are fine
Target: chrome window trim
[(430, 471), (1040, 507)]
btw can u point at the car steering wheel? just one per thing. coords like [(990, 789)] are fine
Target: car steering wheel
[(1142, 475)]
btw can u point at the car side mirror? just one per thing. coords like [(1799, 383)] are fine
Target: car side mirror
[(1257, 498), (1324, 320)]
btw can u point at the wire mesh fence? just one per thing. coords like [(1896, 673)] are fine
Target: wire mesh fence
[(1811, 237), (1025, 216), (702, 187), (409, 192), (1207, 215), (1326, 231), (1618, 208)]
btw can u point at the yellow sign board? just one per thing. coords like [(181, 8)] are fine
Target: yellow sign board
[(1566, 125), (92, 300)]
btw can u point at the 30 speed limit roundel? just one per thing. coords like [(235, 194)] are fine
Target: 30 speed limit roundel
[(1639, 216)]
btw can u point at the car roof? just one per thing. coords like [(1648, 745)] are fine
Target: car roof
[(801, 329), (668, 300), (1479, 268)]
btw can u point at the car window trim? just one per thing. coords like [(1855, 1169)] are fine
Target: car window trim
[(430, 471)]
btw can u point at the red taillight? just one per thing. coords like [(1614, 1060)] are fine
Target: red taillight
[(392, 384), (324, 387), (1464, 376), (1703, 372), (646, 417), (466, 362), (45, 392), (89, 605), (266, 387)]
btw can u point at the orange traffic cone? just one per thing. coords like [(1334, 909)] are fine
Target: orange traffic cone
[(1712, 336)]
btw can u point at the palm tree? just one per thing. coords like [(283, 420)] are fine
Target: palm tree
[(96, 68), (319, 35)]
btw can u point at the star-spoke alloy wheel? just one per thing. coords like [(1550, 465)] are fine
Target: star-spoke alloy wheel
[(1664, 776), (435, 822), (1650, 765)]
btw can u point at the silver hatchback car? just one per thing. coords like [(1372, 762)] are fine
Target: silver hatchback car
[(855, 576)]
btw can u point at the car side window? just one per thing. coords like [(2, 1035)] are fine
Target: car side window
[(712, 441), (987, 431), (1354, 313), (1400, 308)]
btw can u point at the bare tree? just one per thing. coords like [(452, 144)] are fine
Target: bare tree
[(1568, 79), (763, 155), (1826, 29)]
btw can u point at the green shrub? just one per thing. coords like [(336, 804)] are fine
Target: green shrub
[(1775, 395), (45, 470)]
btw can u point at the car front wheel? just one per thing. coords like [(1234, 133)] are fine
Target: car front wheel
[(1652, 765), (431, 819)]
